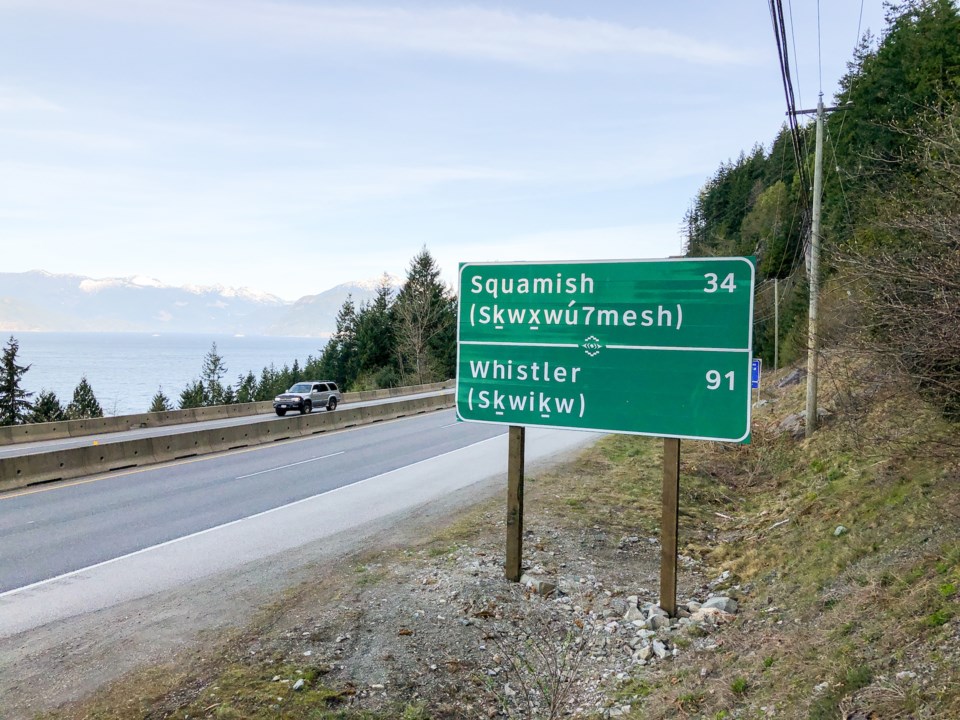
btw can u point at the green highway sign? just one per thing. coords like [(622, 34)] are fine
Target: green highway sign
[(648, 347)]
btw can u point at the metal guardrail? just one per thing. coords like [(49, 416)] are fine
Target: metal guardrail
[(35, 432), (23, 470)]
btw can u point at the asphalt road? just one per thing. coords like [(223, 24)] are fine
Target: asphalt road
[(88, 544), (30, 448)]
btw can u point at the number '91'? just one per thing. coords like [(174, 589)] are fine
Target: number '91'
[(715, 380)]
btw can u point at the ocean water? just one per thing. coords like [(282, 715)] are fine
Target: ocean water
[(125, 369)]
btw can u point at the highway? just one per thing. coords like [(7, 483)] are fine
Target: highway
[(87, 544), (30, 448)]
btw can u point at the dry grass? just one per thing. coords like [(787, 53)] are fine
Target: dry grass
[(845, 613)]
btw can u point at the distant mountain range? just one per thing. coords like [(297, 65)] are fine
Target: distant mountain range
[(39, 301)]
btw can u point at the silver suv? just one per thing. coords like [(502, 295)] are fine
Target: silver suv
[(305, 396)]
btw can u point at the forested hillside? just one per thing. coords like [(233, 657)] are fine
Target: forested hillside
[(890, 232)]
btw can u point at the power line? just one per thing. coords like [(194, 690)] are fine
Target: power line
[(859, 24), (793, 37), (783, 57)]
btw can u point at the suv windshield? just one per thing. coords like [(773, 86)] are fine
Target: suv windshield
[(300, 388)]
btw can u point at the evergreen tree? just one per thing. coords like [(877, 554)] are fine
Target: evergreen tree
[(268, 386), (247, 388), (339, 358), (425, 323), (47, 408), (911, 75), (211, 377), (192, 396), (84, 403), (376, 340), (160, 403), (14, 400)]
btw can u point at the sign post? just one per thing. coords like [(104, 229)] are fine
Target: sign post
[(515, 455), (670, 525), (755, 367), (646, 347)]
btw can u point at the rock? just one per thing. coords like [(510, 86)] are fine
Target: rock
[(712, 616), (658, 622), (660, 650), (653, 610), (645, 653), (792, 424), (633, 613), (298, 685), (722, 603), (793, 378), (693, 606), (906, 675), (841, 530), (540, 587)]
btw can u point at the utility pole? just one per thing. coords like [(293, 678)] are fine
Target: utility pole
[(813, 340), (776, 324)]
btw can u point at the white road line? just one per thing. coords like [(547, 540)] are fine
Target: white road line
[(72, 573), (450, 425), (284, 467), (674, 349)]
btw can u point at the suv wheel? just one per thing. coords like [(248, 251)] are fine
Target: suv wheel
[(307, 407), (331, 404), (281, 413)]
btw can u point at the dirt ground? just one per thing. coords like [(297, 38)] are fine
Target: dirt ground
[(416, 610), (66, 661)]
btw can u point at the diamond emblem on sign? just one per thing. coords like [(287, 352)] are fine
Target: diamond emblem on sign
[(592, 346)]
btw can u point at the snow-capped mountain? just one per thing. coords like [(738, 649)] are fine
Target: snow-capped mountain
[(46, 302)]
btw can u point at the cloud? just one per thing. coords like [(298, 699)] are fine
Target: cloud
[(77, 140), (14, 100), (469, 32), (623, 242)]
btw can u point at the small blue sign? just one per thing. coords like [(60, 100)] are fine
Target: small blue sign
[(755, 373)]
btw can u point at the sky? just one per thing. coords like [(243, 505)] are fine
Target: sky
[(288, 146)]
